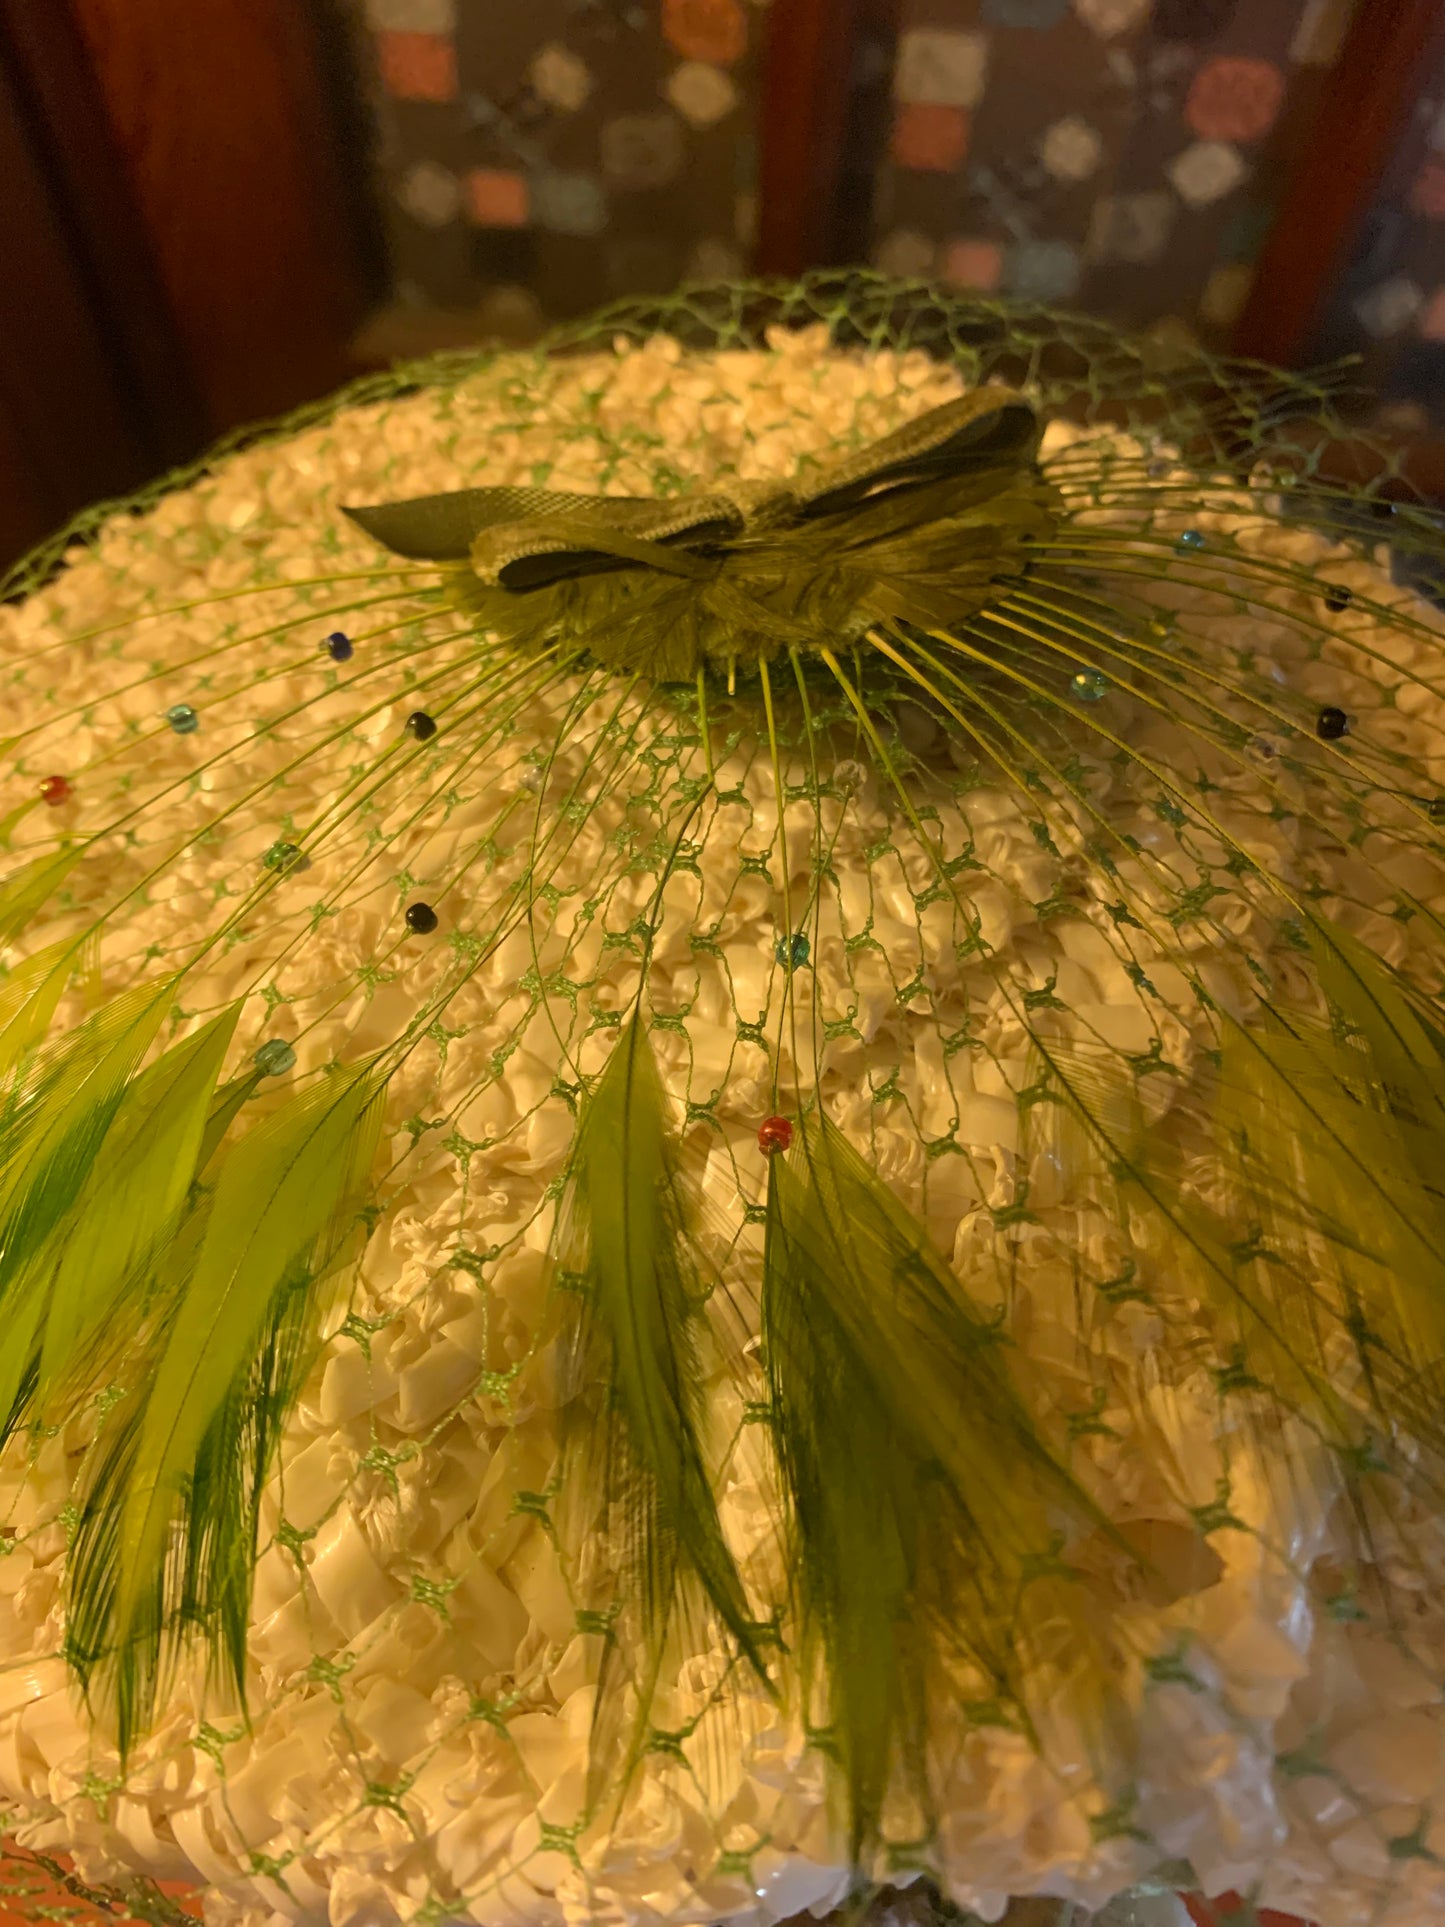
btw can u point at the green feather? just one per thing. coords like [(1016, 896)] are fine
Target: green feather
[(28, 999), (26, 893), (924, 1502), (1323, 1219), (133, 1195), (248, 1275), (58, 1109), (1348, 1194), (634, 1394)]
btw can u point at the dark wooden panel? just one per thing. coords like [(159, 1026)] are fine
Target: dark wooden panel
[(1392, 50), (229, 134), (806, 65), (25, 514), (73, 432), (94, 210)]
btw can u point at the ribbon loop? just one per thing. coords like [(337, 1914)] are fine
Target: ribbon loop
[(534, 555), (989, 430), (522, 539)]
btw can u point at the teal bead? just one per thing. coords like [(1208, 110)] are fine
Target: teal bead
[(1190, 539), (792, 952), (1088, 686), (275, 1058), (183, 719)]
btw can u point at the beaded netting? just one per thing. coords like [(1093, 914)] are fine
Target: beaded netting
[(901, 892)]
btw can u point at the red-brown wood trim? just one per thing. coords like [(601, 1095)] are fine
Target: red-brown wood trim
[(1392, 48), (225, 124), (804, 107), (71, 431), (104, 232)]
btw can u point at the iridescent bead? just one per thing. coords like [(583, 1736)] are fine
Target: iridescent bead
[(529, 777), (56, 790), (849, 775), (338, 646), (792, 952), (1188, 539), (1088, 686), (275, 1058), (421, 919), (286, 856), (1337, 597), (1265, 748), (1332, 723), (420, 725), (183, 719), (775, 1135)]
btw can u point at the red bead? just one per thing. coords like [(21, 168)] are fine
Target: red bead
[(775, 1134), (56, 790)]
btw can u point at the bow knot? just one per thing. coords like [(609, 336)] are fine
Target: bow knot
[(914, 527)]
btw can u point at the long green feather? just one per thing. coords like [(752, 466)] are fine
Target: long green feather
[(58, 1112), (632, 1368), (1323, 1219), (28, 999), (134, 1193), (24, 894), (249, 1273), (1349, 1191), (924, 1501)]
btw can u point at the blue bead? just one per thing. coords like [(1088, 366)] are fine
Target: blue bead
[(1088, 686), (792, 952), (275, 1058), (338, 646), (1189, 539), (183, 719)]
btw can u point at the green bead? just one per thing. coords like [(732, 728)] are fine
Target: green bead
[(792, 952), (1088, 686), (275, 1058), (286, 856), (183, 719)]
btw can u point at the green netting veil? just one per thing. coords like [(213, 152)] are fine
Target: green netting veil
[(720, 1136)]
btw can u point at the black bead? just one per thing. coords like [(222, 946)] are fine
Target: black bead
[(338, 646), (1435, 809), (1338, 598), (421, 918), (1331, 724), (420, 725)]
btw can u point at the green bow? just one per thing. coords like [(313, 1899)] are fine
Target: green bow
[(916, 528)]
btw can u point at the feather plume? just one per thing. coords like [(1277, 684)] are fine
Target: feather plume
[(925, 1505), (633, 1383), (243, 1284)]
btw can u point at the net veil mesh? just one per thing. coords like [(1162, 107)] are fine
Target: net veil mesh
[(897, 903)]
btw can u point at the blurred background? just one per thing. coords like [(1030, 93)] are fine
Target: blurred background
[(211, 214)]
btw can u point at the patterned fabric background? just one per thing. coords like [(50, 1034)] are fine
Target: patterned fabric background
[(1123, 156), (1390, 306), (1118, 155), (542, 156)]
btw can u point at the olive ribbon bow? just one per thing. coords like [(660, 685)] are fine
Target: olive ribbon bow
[(915, 527)]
